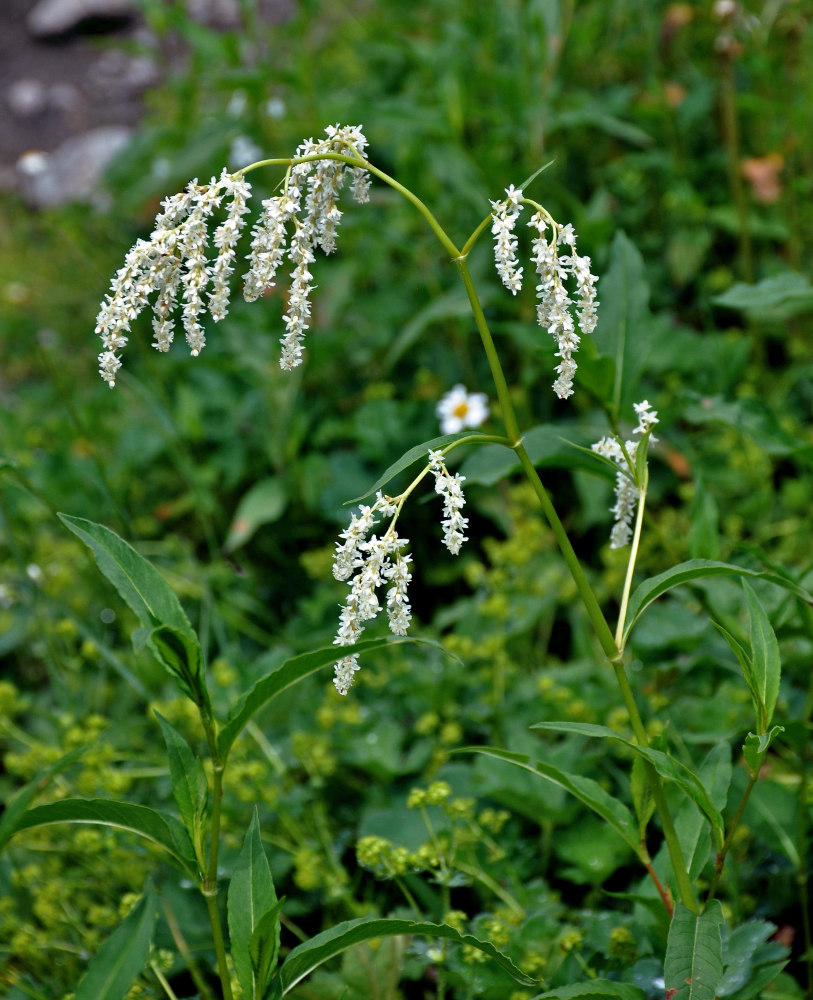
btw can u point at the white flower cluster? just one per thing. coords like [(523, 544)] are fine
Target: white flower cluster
[(449, 487), (174, 261), (554, 269), (310, 202), (174, 258), (626, 492), (366, 564)]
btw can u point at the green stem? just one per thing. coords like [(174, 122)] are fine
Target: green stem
[(735, 822), (636, 541), (684, 885), (210, 878)]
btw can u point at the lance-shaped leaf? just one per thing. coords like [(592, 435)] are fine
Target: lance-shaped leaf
[(696, 569), (160, 829), (586, 790), (250, 901), (694, 953), (288, 673), (665, 765), (124, 954), (421, 451), (17, 805), (189, 784), (310, 955), (765, 663), (165, 629), (594, 989)]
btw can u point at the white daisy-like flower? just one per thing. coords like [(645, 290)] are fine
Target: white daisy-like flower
[(459, 409)]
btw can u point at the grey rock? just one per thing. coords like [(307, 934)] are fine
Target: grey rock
[(49, 18), (72, 171), (26, 98)]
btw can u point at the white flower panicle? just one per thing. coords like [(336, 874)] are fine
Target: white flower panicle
[(174, 258), (310, 200), (554, 268), (176, 262), (626, 492), (368, 563), (504, 217), (449, 487)]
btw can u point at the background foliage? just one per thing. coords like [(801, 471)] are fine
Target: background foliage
[(682, 155)]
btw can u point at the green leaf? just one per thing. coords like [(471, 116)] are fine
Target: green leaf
[(17, 805), (741, 953), (251, 899), (695, 569), (594, 988), (665, 765), (780, 296), (453, 304), (694, 953), (622, 321), (114, 967), (755, 749), (313, 953), (643, 801), (263, 947), (189, 784), (704, 537), (160, 829), (587, 791), (288, 673), (152, 600), (765, 663), (421, 451), (263, 504)]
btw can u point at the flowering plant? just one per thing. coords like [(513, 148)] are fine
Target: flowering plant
[(176, 267)]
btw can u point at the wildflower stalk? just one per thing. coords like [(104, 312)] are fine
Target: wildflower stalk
[(602, 629), (210, 877), (636, 539)]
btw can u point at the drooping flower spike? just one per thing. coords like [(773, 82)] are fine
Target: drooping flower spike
[(177, 261), (555, 267), (626, 492), (366, 564)]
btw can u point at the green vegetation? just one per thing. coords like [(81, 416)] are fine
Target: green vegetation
[(487, 813)]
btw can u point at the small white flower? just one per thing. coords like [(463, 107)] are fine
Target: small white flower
[(626, 492), (459, 409), (450, 488)]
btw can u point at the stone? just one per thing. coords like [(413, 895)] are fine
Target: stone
[(51, 18), (72, 171), (27, 98)]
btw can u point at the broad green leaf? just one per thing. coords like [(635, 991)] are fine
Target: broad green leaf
[(586, 790), (251, 897), (114, 967), (704, 537), (152, 600), (642, 799), (286, 674), (421, 451), (621, 332), (740, 953), (665, 765), (755, 749), (17, 805), (781, 296), (263, 504), (696, 569), (765, 662), (310, 955), (594, 989), (453, 304), (160, 829), (694, 954), (189, 784)]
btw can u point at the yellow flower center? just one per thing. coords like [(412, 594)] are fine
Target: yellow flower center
[(461, 409)]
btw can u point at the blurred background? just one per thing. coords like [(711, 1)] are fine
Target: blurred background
[(680, 141)]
